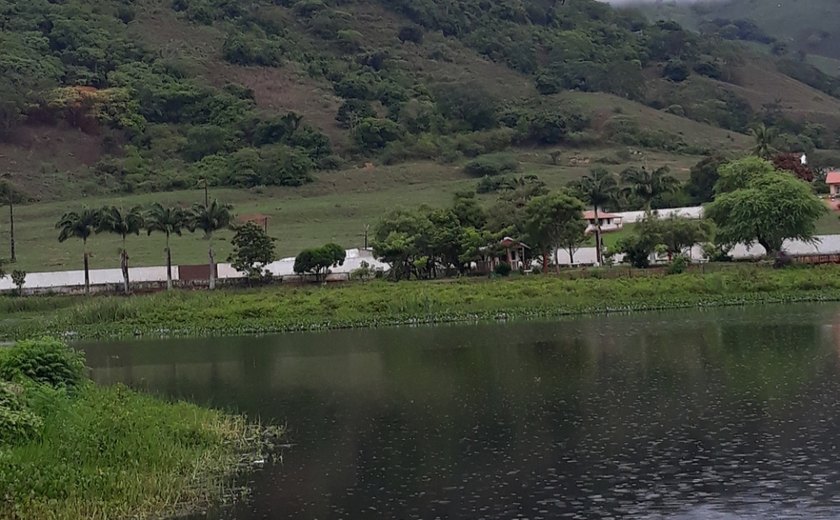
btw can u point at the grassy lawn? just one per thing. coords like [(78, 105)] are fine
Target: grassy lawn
[(334, 208), (829, 224)]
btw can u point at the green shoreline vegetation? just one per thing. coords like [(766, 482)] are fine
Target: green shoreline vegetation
[(381, 303), (70, 449)]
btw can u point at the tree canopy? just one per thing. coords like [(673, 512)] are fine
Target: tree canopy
[(319, 260), (755, 203), (253, 249)]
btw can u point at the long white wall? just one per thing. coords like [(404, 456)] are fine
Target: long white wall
[(284, 267), (825, 244), (355, 257)]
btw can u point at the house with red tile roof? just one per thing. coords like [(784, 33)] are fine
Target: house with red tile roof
[(832, 178)]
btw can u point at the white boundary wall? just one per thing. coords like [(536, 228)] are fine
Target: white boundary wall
[(58, 279)]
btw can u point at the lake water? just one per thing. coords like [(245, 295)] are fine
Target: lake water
[(723, 414)]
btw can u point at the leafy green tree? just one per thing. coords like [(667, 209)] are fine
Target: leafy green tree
[(572, 236), (318, 261), (468, 211), (253, 249), (674, 234), (123, 223), (647, 186), (352, 111), (372, 133), (766, 207), (597, 189), (401, 239), (19, 279), (209, 219), (549, 219), (703, 177), (169, 221), (740, 173), (469, 104), (81, 225), (637, 249)]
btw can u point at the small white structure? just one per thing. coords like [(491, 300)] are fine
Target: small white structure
[(607, 221)]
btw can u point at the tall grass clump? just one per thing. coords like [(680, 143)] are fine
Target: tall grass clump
[(70, 449)]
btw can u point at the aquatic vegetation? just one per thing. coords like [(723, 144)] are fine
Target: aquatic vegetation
[(70, 449), (380, 303)]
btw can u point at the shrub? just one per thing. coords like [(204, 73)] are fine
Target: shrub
[(489, 184), (373, 134), (48, 361), (636, 251), (319, 260), (17, 423), (676, 70), (19, 279), (678, 265), (503, 269), (410, 33), (252, 49), (547, 128), (782, 260), (492, 164), (353, 110), (307, 8)]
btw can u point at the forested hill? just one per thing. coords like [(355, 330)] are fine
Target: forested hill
[(149, 95), (787, 26)]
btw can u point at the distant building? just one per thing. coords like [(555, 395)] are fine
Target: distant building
[(832, 178), (608, 221), (509, 251)]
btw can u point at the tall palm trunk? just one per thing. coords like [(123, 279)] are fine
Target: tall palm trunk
[(87, 268), (13, 256), (124, 267), (168, 265), (212, 266), (598, 254)]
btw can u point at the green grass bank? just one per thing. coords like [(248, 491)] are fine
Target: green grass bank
[(70, 449), (380, 303)]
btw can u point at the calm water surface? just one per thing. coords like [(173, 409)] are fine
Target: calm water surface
[(724, 414)]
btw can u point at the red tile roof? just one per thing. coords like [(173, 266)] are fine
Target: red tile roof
[(590, 215), (833, 177)]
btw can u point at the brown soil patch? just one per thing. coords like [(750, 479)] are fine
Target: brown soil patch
[(42, 160)]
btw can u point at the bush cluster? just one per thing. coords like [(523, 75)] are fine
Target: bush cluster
[(23, 368)]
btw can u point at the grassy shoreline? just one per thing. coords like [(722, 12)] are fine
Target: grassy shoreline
[(375, 304), (71, 449)]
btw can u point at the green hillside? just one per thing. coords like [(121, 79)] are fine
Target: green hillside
[(154, 95), (807, 26)]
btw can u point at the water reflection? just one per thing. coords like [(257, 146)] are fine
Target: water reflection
[(731, 413)]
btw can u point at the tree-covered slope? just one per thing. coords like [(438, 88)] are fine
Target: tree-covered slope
[(808, 26), (159, 94)]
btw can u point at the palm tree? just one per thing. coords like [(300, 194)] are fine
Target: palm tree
[(168, 221), (647, 186), (764, 138), (211, 218), (79, 225), (597, 189), (123, 223)]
